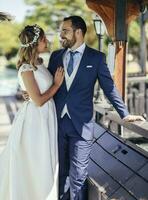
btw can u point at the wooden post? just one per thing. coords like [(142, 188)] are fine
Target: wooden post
[(120, 67), (121, 43)]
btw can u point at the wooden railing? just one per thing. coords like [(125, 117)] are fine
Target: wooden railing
[(137, 95), (115, 165), (109, 119)]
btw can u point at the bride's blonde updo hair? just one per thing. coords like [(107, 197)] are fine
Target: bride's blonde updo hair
[(29, 38)]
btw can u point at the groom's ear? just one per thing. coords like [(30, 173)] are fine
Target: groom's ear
[(79, 32)]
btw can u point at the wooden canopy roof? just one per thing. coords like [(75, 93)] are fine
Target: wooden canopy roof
[(117, 14), (107, 9)]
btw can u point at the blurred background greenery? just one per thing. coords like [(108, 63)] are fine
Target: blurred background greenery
[(48, 14)]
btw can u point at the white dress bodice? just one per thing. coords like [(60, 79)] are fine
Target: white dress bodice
[(42, 76)]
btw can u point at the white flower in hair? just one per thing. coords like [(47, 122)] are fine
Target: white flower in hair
[(37, 33)]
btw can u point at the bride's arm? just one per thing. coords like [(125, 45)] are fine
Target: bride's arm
[(33, 89)]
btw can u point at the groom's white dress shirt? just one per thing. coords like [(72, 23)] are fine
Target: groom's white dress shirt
[(69, 79)]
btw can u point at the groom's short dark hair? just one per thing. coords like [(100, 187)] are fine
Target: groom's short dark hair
[(77, 23)]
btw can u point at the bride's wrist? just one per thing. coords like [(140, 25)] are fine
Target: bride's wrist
[(56, 85)]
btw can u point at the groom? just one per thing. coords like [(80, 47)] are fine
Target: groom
[(74, 103)]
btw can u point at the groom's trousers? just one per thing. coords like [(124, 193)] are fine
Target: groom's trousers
[(74, 154)]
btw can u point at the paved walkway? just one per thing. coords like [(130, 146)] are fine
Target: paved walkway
[(8, 107)]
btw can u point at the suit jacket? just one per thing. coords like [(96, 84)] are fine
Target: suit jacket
[(79, 98)]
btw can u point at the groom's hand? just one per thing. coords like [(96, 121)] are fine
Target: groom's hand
[(133, 118), (25, 96)]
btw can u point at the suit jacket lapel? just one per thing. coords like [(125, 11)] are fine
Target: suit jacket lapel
[(82, 64), (61, 64)]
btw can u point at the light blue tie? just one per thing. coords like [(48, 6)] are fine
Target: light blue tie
[(71, 62)]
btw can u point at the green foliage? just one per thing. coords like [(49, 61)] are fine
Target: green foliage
[(9, 42), (49, 14), (11, 65), (134, 33), (11, 53)]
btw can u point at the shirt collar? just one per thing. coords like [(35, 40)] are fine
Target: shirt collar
[(80, 49)]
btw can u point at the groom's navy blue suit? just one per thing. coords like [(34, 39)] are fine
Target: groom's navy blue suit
[(79, 100)]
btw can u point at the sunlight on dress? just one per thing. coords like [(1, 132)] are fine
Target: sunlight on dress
[(29, 162)]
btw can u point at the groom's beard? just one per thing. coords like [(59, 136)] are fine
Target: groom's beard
[(68, 43)]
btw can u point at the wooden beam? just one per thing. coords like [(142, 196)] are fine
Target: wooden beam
[(107, 3), (120, 20), (105, 9), (133, 10), (120, 67), (120, 40), (117, 24)]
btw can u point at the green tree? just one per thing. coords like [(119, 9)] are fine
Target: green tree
[(49, 14), (134, 38), (9, 42)]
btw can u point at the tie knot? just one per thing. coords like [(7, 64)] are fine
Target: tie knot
[(72, 53)]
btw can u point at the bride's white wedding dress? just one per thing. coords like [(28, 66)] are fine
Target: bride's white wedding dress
[(29, 162)]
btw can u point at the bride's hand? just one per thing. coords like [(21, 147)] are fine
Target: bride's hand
[(59, 76)]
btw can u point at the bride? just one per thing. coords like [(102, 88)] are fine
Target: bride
[(29, 162)]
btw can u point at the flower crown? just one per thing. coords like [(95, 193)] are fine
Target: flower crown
[(36, 30)]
